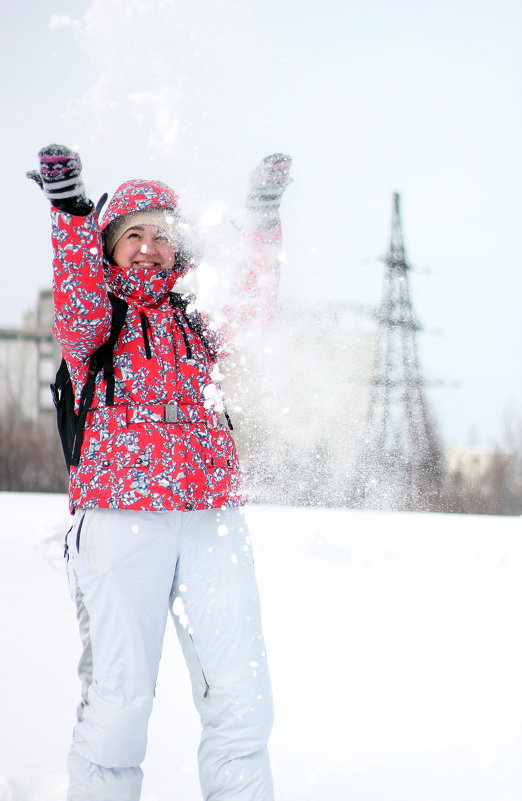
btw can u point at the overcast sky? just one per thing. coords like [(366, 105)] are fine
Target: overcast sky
[(369, 97)]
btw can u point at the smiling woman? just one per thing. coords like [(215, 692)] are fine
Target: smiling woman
[(156, 488), (145, 246), (145, 252)]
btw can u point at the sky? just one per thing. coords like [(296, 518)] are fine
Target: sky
[(369, 98)]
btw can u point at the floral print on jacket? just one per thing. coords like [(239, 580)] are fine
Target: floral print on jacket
[(132, 458)]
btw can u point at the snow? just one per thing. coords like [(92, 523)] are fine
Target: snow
[(393, 641)]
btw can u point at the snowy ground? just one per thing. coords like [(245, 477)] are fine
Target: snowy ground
[(394, 644)]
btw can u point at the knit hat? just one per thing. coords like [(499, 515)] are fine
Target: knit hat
[(161, 218)]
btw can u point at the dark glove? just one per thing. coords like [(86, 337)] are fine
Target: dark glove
[(267, 184), (60, 179)]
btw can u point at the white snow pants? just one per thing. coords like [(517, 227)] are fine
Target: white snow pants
[(127, 570)]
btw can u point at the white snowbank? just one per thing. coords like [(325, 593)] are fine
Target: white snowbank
[(393, 643)]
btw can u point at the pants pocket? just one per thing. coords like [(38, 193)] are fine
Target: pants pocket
[(202, 669), (71, 549), (79, 534)]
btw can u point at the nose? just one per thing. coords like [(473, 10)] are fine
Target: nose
[(149, 245)]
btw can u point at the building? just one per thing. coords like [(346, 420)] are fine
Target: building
[(477, 465), (29, 357)]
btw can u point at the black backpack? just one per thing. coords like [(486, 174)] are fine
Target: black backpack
[(71, 424)]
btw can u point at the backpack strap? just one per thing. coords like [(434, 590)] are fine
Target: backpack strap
[(101, 203), (119, 312), (101, 358)]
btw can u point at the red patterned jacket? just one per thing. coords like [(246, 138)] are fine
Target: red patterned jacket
[(132, 458)]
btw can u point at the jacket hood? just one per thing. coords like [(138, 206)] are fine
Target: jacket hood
[(139, 195)]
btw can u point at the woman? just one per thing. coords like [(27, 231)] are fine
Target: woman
[(158, 519)]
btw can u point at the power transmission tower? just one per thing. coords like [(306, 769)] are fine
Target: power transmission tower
[(400, 462)]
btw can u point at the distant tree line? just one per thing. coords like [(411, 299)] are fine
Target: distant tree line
[(31, 458)]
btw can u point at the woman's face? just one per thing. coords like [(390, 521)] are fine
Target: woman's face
[(144, 247)]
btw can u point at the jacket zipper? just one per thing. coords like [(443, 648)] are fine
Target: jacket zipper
[(207, 685)]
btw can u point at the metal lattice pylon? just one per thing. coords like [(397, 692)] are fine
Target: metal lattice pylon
[(400, 462)]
